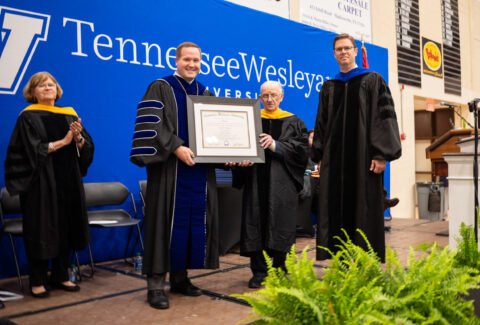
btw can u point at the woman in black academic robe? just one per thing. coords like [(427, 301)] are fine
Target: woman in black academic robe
[(48, 153)]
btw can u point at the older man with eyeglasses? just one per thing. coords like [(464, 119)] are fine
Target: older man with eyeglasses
[(356, 132), (270, 189)]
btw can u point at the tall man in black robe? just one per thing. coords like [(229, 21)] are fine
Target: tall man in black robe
[(270, 190), (181, 219), (356, 132)]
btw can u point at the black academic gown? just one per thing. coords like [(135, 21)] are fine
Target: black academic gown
[(270, 195), (355, 123), (30, 172), (162, 180)]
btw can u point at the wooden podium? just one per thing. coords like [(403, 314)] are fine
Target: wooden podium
[(445, 143)]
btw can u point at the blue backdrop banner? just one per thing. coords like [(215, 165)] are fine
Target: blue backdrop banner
[(105, 53)]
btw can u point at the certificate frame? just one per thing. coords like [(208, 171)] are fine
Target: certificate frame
[(236, 140)]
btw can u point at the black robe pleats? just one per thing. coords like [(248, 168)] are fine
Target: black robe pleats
[(46, 182), (270, 195), (356, 122)]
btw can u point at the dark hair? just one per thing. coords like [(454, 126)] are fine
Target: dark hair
[(35, 80), (186, 44), (343, 36)]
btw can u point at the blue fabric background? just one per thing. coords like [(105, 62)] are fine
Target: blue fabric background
[(105, 93)]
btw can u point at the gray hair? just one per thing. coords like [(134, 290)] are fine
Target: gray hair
[(272, 83)]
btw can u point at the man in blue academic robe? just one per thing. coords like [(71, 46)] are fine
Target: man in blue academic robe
[(181, 219)]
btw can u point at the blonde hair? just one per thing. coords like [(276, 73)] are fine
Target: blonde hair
[(35, 80)]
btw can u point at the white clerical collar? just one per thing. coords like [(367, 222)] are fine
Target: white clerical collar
[(189, 82)]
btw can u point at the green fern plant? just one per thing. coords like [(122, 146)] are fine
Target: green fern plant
[(298, 291), (467, 248), (428, 290), (357, 290)]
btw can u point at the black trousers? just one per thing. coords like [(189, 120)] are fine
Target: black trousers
[(157, 281), (38, 269), (259, 266)]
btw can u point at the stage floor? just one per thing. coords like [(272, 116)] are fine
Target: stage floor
[(116, 295)]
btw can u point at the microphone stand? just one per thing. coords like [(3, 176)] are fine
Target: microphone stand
[(472, 107), (452, 107), (463, 119)]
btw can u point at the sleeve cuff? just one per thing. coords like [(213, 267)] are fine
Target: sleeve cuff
[(272, 146)]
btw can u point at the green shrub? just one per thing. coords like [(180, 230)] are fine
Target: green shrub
[(356, 290), (467, 249)]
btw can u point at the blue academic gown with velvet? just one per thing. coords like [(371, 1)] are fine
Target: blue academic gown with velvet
[(181, 218)]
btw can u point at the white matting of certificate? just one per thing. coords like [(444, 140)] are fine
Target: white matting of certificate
[(224, 130)]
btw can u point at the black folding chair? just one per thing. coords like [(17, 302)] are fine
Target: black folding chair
[(14, 226), (11, 226), (105, 194)]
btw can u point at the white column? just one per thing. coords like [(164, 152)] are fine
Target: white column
[(461, 193)]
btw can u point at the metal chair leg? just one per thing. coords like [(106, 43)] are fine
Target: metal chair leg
[(140, 236), (78, 266), (92, 265), (128, 243), (16, 263), (135, 242)]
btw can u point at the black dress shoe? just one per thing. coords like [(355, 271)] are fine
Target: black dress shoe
[(59, 285), (157, 299), (390, 203), (255, 283), (187, 288), (43, 294)]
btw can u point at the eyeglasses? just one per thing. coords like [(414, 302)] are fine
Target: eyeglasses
[(345, 48), (46, 85), (266, 96)]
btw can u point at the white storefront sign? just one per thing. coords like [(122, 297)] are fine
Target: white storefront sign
[(274, 7), (339, 16)]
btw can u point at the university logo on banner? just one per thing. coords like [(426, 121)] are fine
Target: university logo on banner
[(432, 58), (20, 32)]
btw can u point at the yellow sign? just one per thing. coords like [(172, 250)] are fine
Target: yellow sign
[(432, 56)]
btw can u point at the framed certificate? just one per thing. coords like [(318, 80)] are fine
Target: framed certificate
[(224, 130)]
